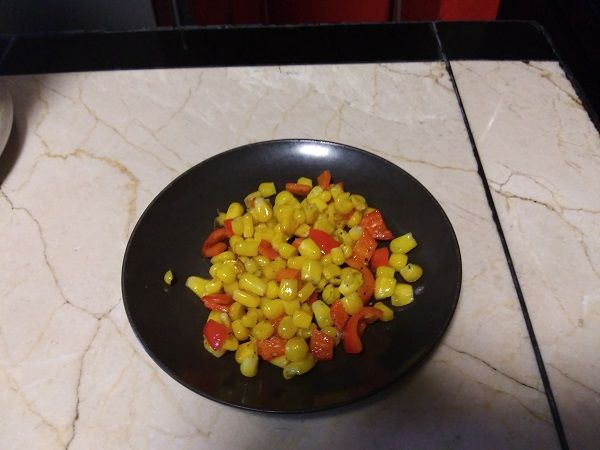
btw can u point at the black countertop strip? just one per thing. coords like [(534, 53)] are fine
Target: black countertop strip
[(501, 40)]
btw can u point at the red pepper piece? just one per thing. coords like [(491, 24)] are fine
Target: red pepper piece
[(339, 315), (228, 225), (321, 345), (373, 222), (355, 327), (266, 249), (215, 334), (324, 180), (287, 274), (363, 251), (365, 291), (296, 242), (313, 298), (301, 190), (324, 240), (381, 257), (271, 348), (217, 302), (213, 244)]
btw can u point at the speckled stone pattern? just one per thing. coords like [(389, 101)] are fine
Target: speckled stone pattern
[(90, 151)]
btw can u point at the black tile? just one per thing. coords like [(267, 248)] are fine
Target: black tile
[(494, 41)]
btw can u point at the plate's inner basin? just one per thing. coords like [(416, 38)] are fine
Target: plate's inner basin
[(169, 320)]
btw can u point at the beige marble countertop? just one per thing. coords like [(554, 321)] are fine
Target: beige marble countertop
[(89, 151)]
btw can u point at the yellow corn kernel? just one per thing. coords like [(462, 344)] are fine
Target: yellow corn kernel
[(330, 294), (318, 203), (305, 333), (325, 196), (351, 303), (287, 250), (332, 332), (247, 247), (305, 181), (368, 210), (311, 270), (343, 237), (411, 272), (299, 367), (315, 192), (398, 261), (384, 287), (234, 210), (248, 225), (249, 199), (237, 225), (249, 366), (261, 260), (197, 285), (286, 328), (355, 232), (213, 286), (263, 209), (305, 292), (302, 230), (351, 280), (322, 283), (337, 256), (230, 287), (168, 277), (291, 306), (284, 198), (271, 269), (272, 289), (388, 313), (252, 283), (250, 319), (310, 211), (403, 295), (220, 219), (222, 257), (216, 353), (322, 223), (347, 250), (263, 330), (296, 349), (246, 298), (302, 319), (354, 219), (306, 308), (385, 271), (279, 361), (295, 262), (236, 311), (262, 231), (219, 317), (309, 249), (322, 314), (231, 343), (359, 202), (343, 204), (235, 239), (336, 190), (225, 272), (288, 289), (245, 350), (267, 189), (299, 216), (403, 244), (272, 309), (330, 271)]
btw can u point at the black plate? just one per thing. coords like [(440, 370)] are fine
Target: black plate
[(169, 320)]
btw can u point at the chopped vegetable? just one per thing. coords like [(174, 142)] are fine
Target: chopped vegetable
[(168, 277), (215, 334)]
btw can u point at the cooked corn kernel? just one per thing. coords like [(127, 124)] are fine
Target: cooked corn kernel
[(224, 272), (398, 261), (246, 298), (272, 289), (236, 311), (288, 289), (355, 232), (291, 306), (263, 330), (245, 350), (299, 367), (388, 313), (295, 262), (385, 271), (302, 319), (351, 280), (322, 314), (216, 353), (403, 295), (352, 303), (263, 210), (168, 278), (330, 271), (249, 366), (296, 349), (411, 272), (403, 244), (286, 328), (279, 361), (250, 319), (309, 249), (230, 287), (384, 287), (272, 309), (330, 294), (252, 283), (287, 250), (246, 247), (267, 189), (234, 210), (337, 256), (284, 198), (305, 181), (248, 223), (302, 230), (213, 286), (305, 292), (231, 343), (311, 270), (222, 257), (197, 285)]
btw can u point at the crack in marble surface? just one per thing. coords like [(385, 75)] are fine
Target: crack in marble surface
[(574, 381)]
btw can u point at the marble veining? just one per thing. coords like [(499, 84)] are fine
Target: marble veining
[(541, 154), (90, 151)]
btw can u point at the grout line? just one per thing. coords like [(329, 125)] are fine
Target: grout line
[(534, 343)]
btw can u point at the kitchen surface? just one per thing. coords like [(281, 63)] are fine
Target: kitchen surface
[(506, 147)]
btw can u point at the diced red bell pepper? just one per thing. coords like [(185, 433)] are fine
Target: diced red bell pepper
[(266, 249), (339, 315), (287, 274), (324, 180), (215, 334), (381, 257), (363, 251), (365, 291), (373, 222), (296, 242), (313, 298), (324, 240), (271, 348), (355, 327), (217, 302), (321, 345), (228, 225), (301, 190), (213, 244)]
